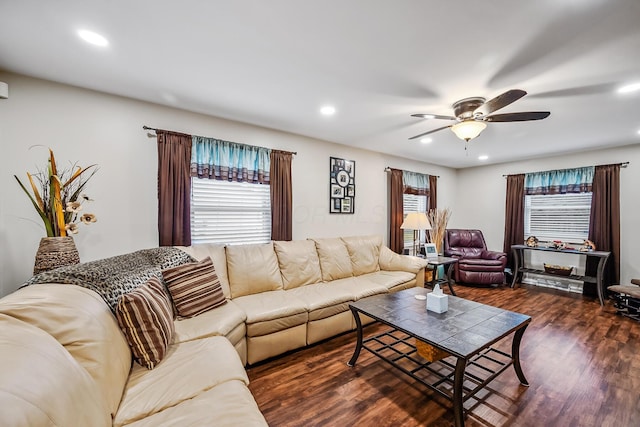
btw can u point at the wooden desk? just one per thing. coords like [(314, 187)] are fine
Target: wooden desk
[(519, 268)]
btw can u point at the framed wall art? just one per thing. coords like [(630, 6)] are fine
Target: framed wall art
[(342, 185)]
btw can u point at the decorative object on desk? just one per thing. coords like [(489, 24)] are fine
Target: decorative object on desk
[(438, 218), (415, 221), (532, 242), (58, 199), (559, 270), (430, 250), (342, 186), (557, 244), (437, 301), (587, 246)]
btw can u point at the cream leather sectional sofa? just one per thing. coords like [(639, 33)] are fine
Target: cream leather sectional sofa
[(65, 362), (286, 295)]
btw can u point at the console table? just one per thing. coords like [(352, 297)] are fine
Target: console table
[(519, 268)]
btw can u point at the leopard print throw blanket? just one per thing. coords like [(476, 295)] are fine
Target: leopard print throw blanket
[(118, 275)]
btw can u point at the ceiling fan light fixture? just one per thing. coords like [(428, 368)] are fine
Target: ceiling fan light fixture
[(468, 129)]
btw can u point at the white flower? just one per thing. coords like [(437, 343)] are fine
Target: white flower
[(74, 207), (88, 218)]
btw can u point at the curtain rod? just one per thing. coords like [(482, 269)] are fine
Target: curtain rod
[(388, 169), (622, 165), (145, 127)]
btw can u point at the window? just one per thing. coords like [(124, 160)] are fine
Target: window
[(558, 217), (413, 203), (229, 212)]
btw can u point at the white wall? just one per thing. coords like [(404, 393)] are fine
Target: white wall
[(480, 199), (91, 127)]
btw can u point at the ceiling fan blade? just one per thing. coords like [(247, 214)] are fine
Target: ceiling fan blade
[(499, 102), (431, 131), (433, 116), (518, 117)]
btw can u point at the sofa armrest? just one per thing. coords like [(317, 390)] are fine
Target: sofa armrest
[(391, 261), (494, 255)]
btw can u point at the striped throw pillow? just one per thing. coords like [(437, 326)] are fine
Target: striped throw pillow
[(194, 287), (145, 316)]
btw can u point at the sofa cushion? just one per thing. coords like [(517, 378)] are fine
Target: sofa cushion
[(321, 296), (218, 256), (229, 404), (41, 384), (80, 320), (390, 279), (145, 316), (335, 262), (217, 322), (358, 287), (364, 252), (194, 287), (270, 312), (252, 269), (299, 263), (188, 370)]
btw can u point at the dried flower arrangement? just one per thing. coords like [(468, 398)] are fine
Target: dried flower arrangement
[(438, 218), (58, 198)]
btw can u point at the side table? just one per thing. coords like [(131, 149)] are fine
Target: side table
[(448, 264)]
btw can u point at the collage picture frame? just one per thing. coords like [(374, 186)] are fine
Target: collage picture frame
[(342, 186)]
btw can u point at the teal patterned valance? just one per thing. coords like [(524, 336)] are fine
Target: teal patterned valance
[(229, 161), (561, 181), (415, 183)]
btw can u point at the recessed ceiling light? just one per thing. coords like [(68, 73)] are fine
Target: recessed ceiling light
[(93, 38), (483, 157), (426, 140), (638, 131), (328, 110), (633, 87)]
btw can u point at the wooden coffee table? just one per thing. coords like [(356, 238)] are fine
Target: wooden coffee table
[(464, 335)]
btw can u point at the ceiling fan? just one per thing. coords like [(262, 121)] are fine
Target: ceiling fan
[(472, 115)]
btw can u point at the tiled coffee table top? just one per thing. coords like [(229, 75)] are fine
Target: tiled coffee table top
[(465, 329)]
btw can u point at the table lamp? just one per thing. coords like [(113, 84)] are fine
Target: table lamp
[(416, 221)]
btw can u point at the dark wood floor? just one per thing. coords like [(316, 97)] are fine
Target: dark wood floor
[(583, 364)]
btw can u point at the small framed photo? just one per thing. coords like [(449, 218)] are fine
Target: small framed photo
[(430, 250), (337, 192)]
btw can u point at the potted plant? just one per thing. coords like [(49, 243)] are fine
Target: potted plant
[(58, 198)]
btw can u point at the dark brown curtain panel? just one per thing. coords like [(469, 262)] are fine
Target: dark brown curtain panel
[(174, 188), (604, 224), (433, 192), (396, 236), (513, 215), (281, 195)]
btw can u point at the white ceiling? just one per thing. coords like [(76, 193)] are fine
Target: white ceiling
[(275, 63)]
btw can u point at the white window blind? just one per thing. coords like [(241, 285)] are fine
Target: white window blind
[(558, 217), (413, 203), (229, 212)]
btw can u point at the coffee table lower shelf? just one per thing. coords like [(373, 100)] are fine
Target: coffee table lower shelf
[(399, 349)]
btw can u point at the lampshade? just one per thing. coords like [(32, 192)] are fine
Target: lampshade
[(468, 129), (416, 221)]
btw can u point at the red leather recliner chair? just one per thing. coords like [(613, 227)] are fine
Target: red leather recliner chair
[(476, 264)]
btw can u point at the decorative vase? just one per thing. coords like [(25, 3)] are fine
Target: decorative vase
[(55, 252)]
